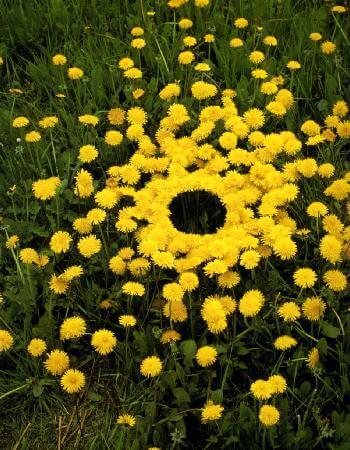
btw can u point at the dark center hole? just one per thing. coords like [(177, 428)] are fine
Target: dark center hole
[(197, 212)]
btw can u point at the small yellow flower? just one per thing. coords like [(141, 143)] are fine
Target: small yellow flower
[(313, 308), (133, 288), (313, 358), (170, 336), (289, 311), (137, 93), (262, 389), (72, 328), (126, 419), (305, 278), (75, 73), (271, 41), (241, 22), (236, 42), (6, 340), (201, 3), (105, 304), (72, 381), (127, 321), (87, 153), (60, 242), (36, 347), (206, 356), (137, 31), (113, 138), (138, 43), (20, 122), (256, 57), (185, 24), (48, 122), (12, 241), (32, 136), (151, 367), (211, 412), (328, 47), (103, 341), (315, 36), (293, 65), (186, 57), (126, 63), (269, 415), (89, 245), (339, 9), (285, 342), (57, 362), (209, 38), (189, 41), (88, 119), (59, 60)]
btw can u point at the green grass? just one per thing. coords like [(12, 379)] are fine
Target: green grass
[(34, 413)]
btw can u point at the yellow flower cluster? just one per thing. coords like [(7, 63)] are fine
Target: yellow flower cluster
[(247, 161)]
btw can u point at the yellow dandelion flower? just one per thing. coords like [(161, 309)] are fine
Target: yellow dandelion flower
[(6, 340), (262, 390), (279, 384), (126, 63), (206, 356), (45, 189), (214, 315), (185, 57), (116, 116), (289, 311), (36, 347), (269, 415), (48, 122), (305, 278), (315, 36), (285, 342), (126, 419), (313, 308), (185, 23), (59, 60), (271, 41), (127, 321), (75, 73), (113, 138), (72, 327), (151, 366), (58, 284), (89, 245), (20, 122), (313, 358), (12, 241), (133, 288), (60, 242), (335, 280), (251, 303), (211, 412), (328, 47), (241, 22), (103, 341), (72, 381), (32, 137), (28, 255), (138, 43), (169, 336), (57, 362)]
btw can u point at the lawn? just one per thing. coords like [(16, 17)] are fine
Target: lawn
[(174, 224)]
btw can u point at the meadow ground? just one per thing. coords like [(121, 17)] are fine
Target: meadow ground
[(174, 235)]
